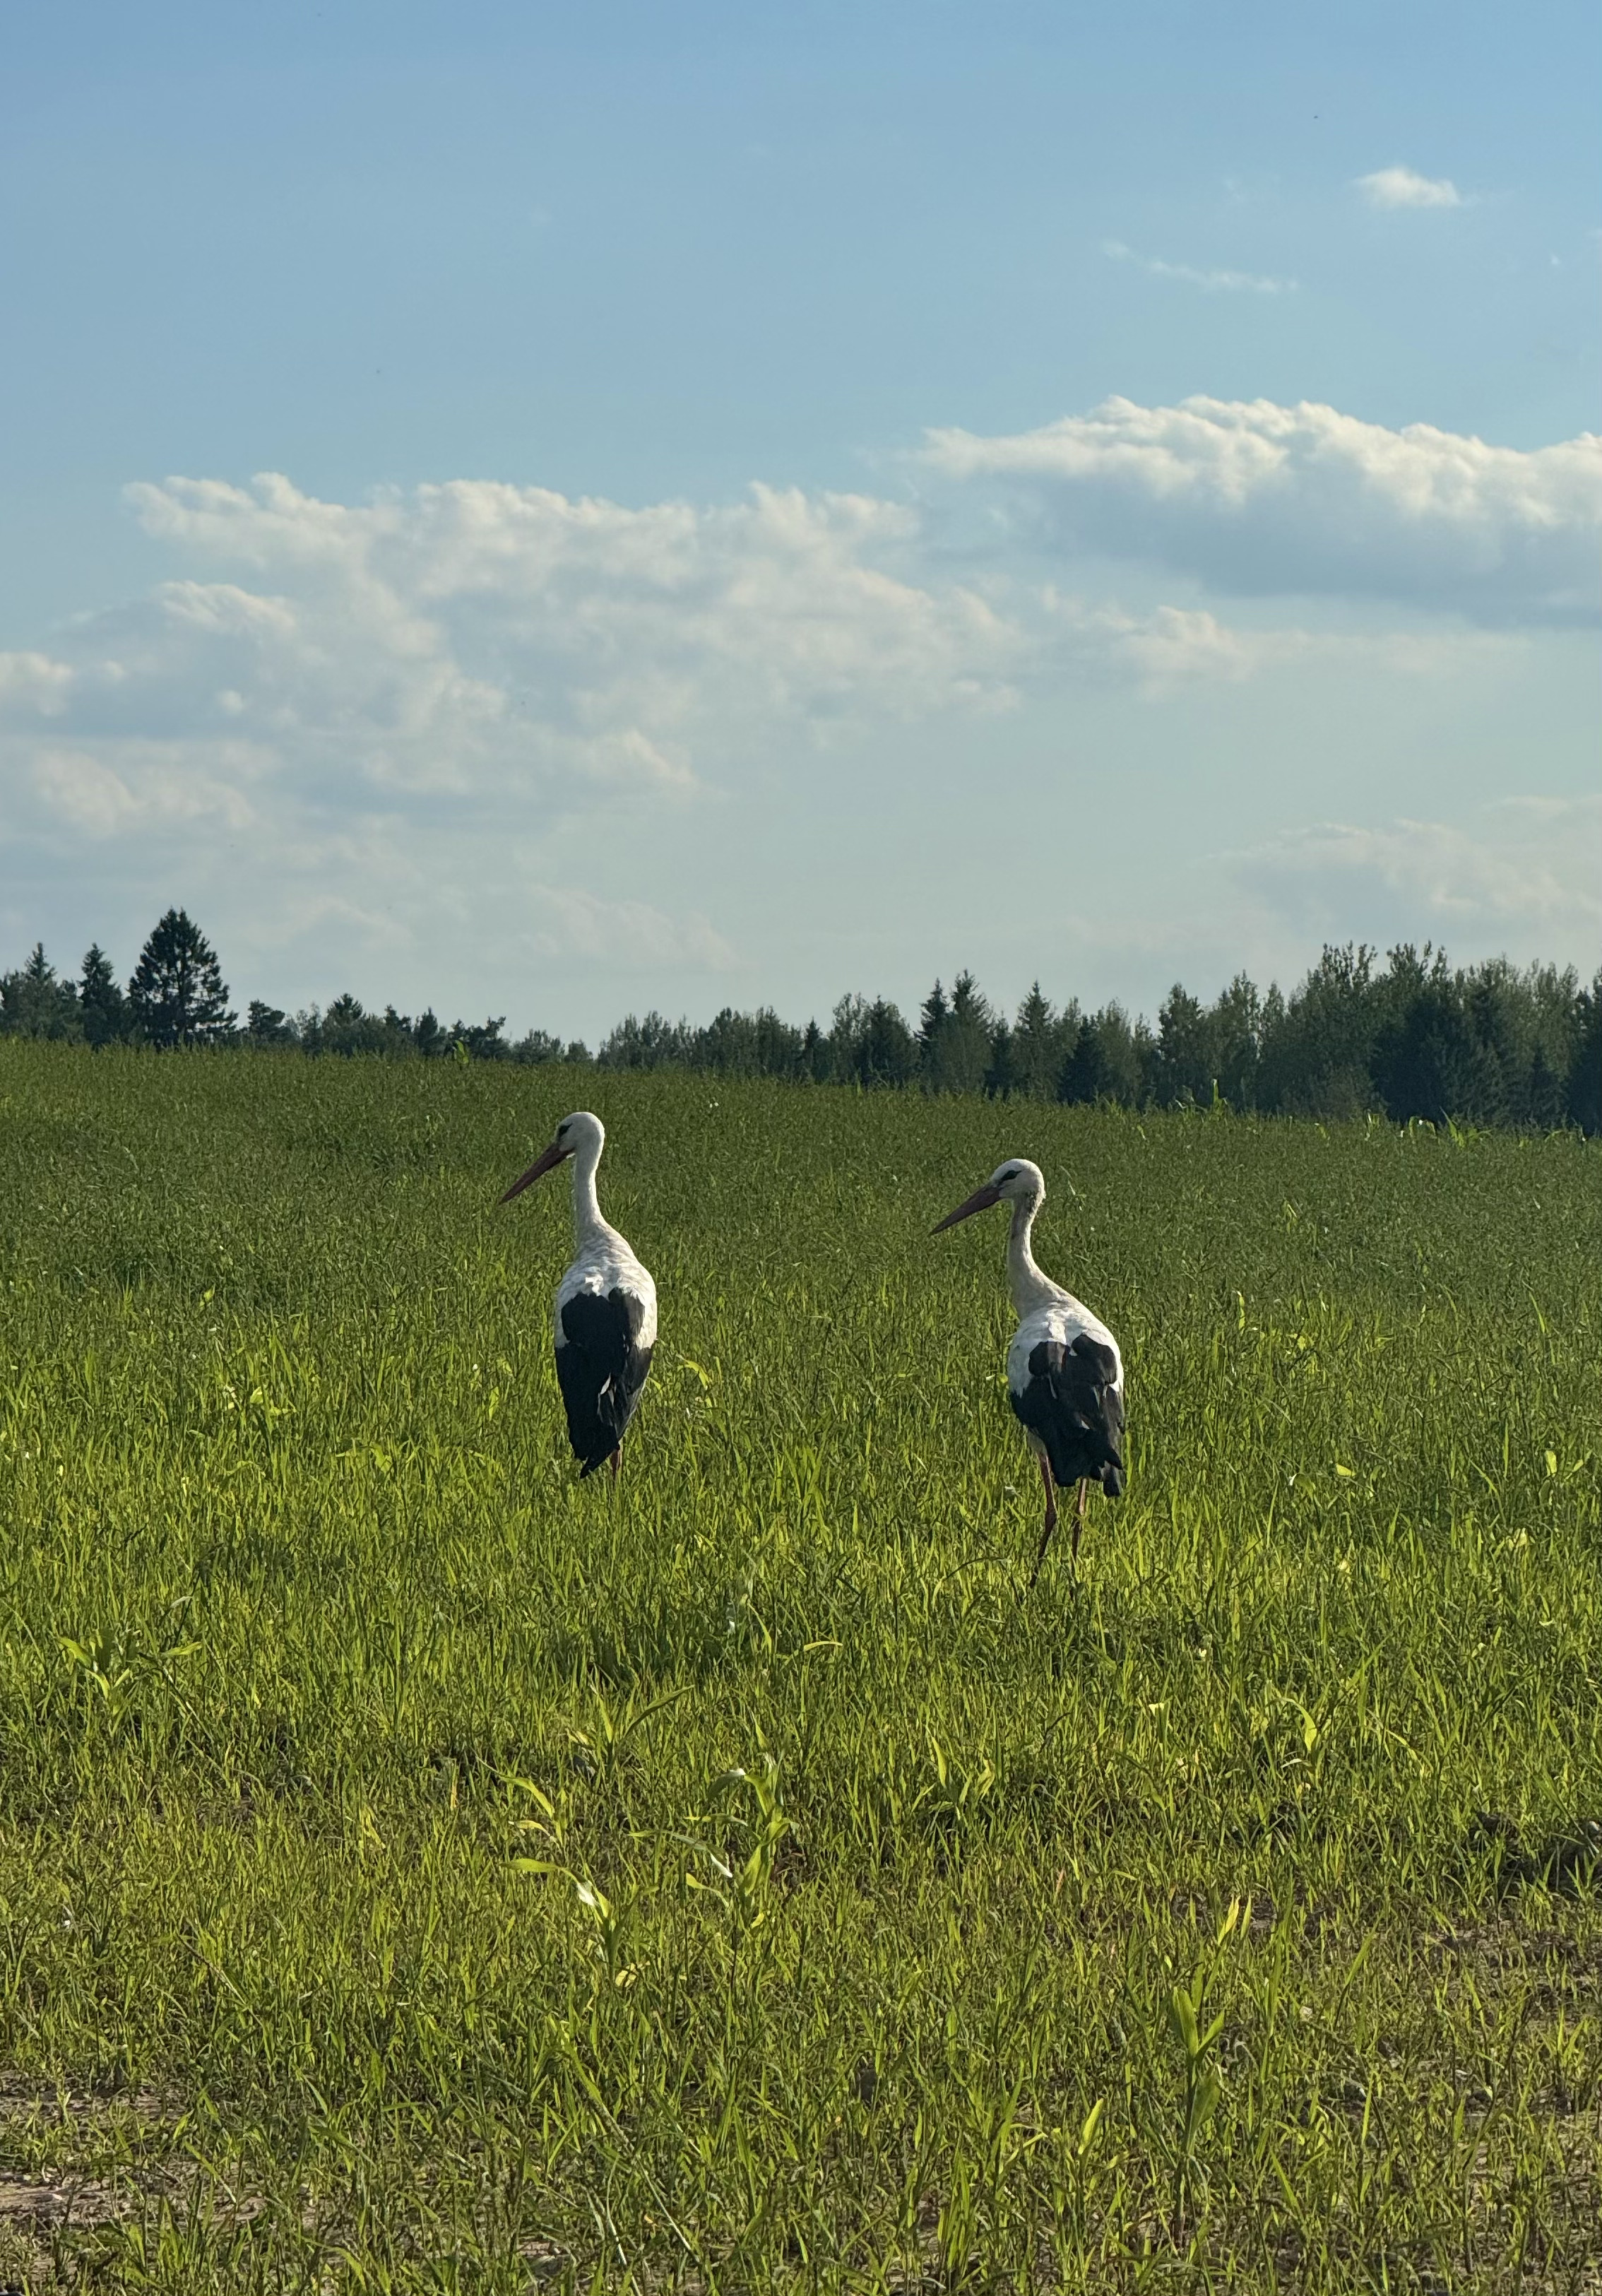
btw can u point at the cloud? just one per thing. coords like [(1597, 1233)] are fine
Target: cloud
[(479, 599), (150, 790), (621, 934), (390, 710), (483, 645), (1172, 646), (33, 684), (1404, 187), (1211, 283), (1526, 870), (495, 720), (1257, 499), (475, 653), (1169, 646)]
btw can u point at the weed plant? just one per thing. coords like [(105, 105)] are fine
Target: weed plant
[(421, 1870)]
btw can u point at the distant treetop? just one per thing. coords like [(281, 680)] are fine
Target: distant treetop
[(178, 995)]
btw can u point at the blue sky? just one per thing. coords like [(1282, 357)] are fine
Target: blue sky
[(560, 511)]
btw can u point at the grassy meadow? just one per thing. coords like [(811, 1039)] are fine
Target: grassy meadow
[(421, 1870)]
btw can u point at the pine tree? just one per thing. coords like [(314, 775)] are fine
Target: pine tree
[(264, 1024), (103, 1006), (1109, 1059), (1585, 1067), (968, 1007), (888, 1051), (848, 1026), (1235, 1028), (178, 995), (1042, 1040), (1545, 1093), (33, 1003), (1185, 1070), (485, 1042), (963, 1050), (934, 1018), (1002, 1078)]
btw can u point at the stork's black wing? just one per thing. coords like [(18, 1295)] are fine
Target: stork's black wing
[(1071, 1403), (601, 1367)]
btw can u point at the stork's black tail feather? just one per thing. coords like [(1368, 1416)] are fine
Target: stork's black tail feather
[(601, 1368), (1072, 1405)]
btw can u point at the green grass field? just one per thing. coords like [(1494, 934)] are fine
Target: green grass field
[(419, 1871)]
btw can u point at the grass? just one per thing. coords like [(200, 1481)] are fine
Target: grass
[(418, 1871)]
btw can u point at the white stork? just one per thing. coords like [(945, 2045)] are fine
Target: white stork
[(1064, 1376), (606, 1306)]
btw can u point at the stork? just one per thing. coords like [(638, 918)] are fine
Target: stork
[(606, 1306), (1064, 1376)]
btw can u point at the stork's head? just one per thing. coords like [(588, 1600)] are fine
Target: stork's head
[(1017, 1181), (575, 1135)]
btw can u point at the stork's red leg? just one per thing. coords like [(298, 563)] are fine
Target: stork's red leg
[(616, 1463), (1050, 1523), (1079, 1516)]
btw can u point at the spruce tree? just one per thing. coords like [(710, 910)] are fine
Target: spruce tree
[(1585, 1068), (1042, 1040), (968, 1007), (1185, 1070), (888, 1051), (103, 1006), (178, 995), (1002, 1078), (33, 1003), (963, 1049), (932, 1022), (265, 1024)]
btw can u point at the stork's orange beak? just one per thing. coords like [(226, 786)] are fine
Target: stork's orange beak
[(554, 1156), (980, 1201)]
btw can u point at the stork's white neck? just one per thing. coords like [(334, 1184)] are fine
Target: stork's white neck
[(587, 1221), (1029, 1287)]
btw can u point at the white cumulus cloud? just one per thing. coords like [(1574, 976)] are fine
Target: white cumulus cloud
[(1405, 187), (474, 715), (1256, 498), (392, 706), (475, 643), (477, 599), (1525, 872)]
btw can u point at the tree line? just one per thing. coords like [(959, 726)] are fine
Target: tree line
[(177, 997), (1409, 1038)]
